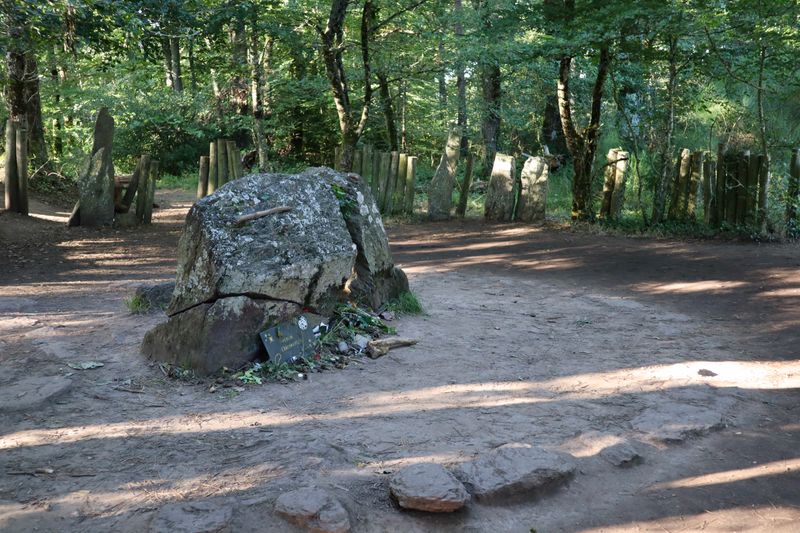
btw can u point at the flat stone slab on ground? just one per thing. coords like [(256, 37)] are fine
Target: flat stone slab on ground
[(193, 517), (30, 392), (622, 454), (428, 487), (689, 414), (314, 509), (514, 470)]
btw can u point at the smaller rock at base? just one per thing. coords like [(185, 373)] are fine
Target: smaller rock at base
[(193, 517), (342, 347), (622, 454), (515, 470), (428, 487), (313, 509)]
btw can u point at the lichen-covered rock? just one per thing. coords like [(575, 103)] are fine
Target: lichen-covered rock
[(330, 246)]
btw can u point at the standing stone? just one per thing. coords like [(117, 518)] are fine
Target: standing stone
[(533, 190), (440, 191), (313, 509), (96, 183), (620, 182), (514, 470), (608, 183), (428, 487), (499, 205)]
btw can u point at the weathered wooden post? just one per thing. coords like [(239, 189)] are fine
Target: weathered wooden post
[(620, 183), (212, 168), (751, 196), (763, 188), (709, 187), (684, 169), (731, 167), (693, 184), (440, 191), (400, 184), (366, 163), (411, 184), (337, 157), (357, 163), (533, 190), (96, 183), (463, 198), (383, 177), (500, 193), (222, 162), (21, 138), (11, 178), (202, 181), (391, 182), (608, 183), (233, 160), (742, 168), (150, 194), (793, 189), (719, 195)]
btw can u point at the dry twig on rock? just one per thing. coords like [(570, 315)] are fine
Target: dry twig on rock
[(260, 214)]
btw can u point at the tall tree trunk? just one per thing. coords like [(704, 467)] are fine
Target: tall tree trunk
[(259, 62), (662, 184), (490, 127), (192, 70), (582, 146), (166, 52), (388, 110), (461, 85), (175, 54), (351, 121)]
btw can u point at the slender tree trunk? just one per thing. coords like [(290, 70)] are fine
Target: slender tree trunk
[(388, 110), (351, 122), (461, 86), (491, 91), (166, 52), (582, 146), (192, 70), (175, 54), (662, 184)]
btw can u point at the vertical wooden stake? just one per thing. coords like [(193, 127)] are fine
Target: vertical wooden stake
[(366, 163), (11, 177), (411, 184), (400, 184), (391, 181), (383, 179), (150, 195), (222, 162), (22, 165), (357, 163), (232, 152), (793, 191), (202, 181), (694, 183), (751, 191), (763, 189), (463, 198), (213, 184), (719, 194), (709, 179), (608, 183)]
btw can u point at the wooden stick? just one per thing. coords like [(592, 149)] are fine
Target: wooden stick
[(260, 214), (11, 176), (22, 166), (202, 181)]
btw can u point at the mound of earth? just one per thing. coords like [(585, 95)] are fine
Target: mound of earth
[(238, 277)]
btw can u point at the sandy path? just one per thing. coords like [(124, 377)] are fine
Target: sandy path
[(567, 341)]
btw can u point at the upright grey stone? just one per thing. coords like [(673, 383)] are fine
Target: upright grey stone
[(96, 183), (533, 191), (236, 279), (499, 206), (440, 191)]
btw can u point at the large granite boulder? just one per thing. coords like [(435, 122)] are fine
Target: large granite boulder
[(236, 279)]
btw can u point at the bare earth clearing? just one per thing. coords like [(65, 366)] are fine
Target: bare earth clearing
[(573, 342)]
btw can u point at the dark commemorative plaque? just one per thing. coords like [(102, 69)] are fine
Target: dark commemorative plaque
[(289, 341)]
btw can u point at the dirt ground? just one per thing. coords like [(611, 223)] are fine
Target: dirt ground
[(570, 341)]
